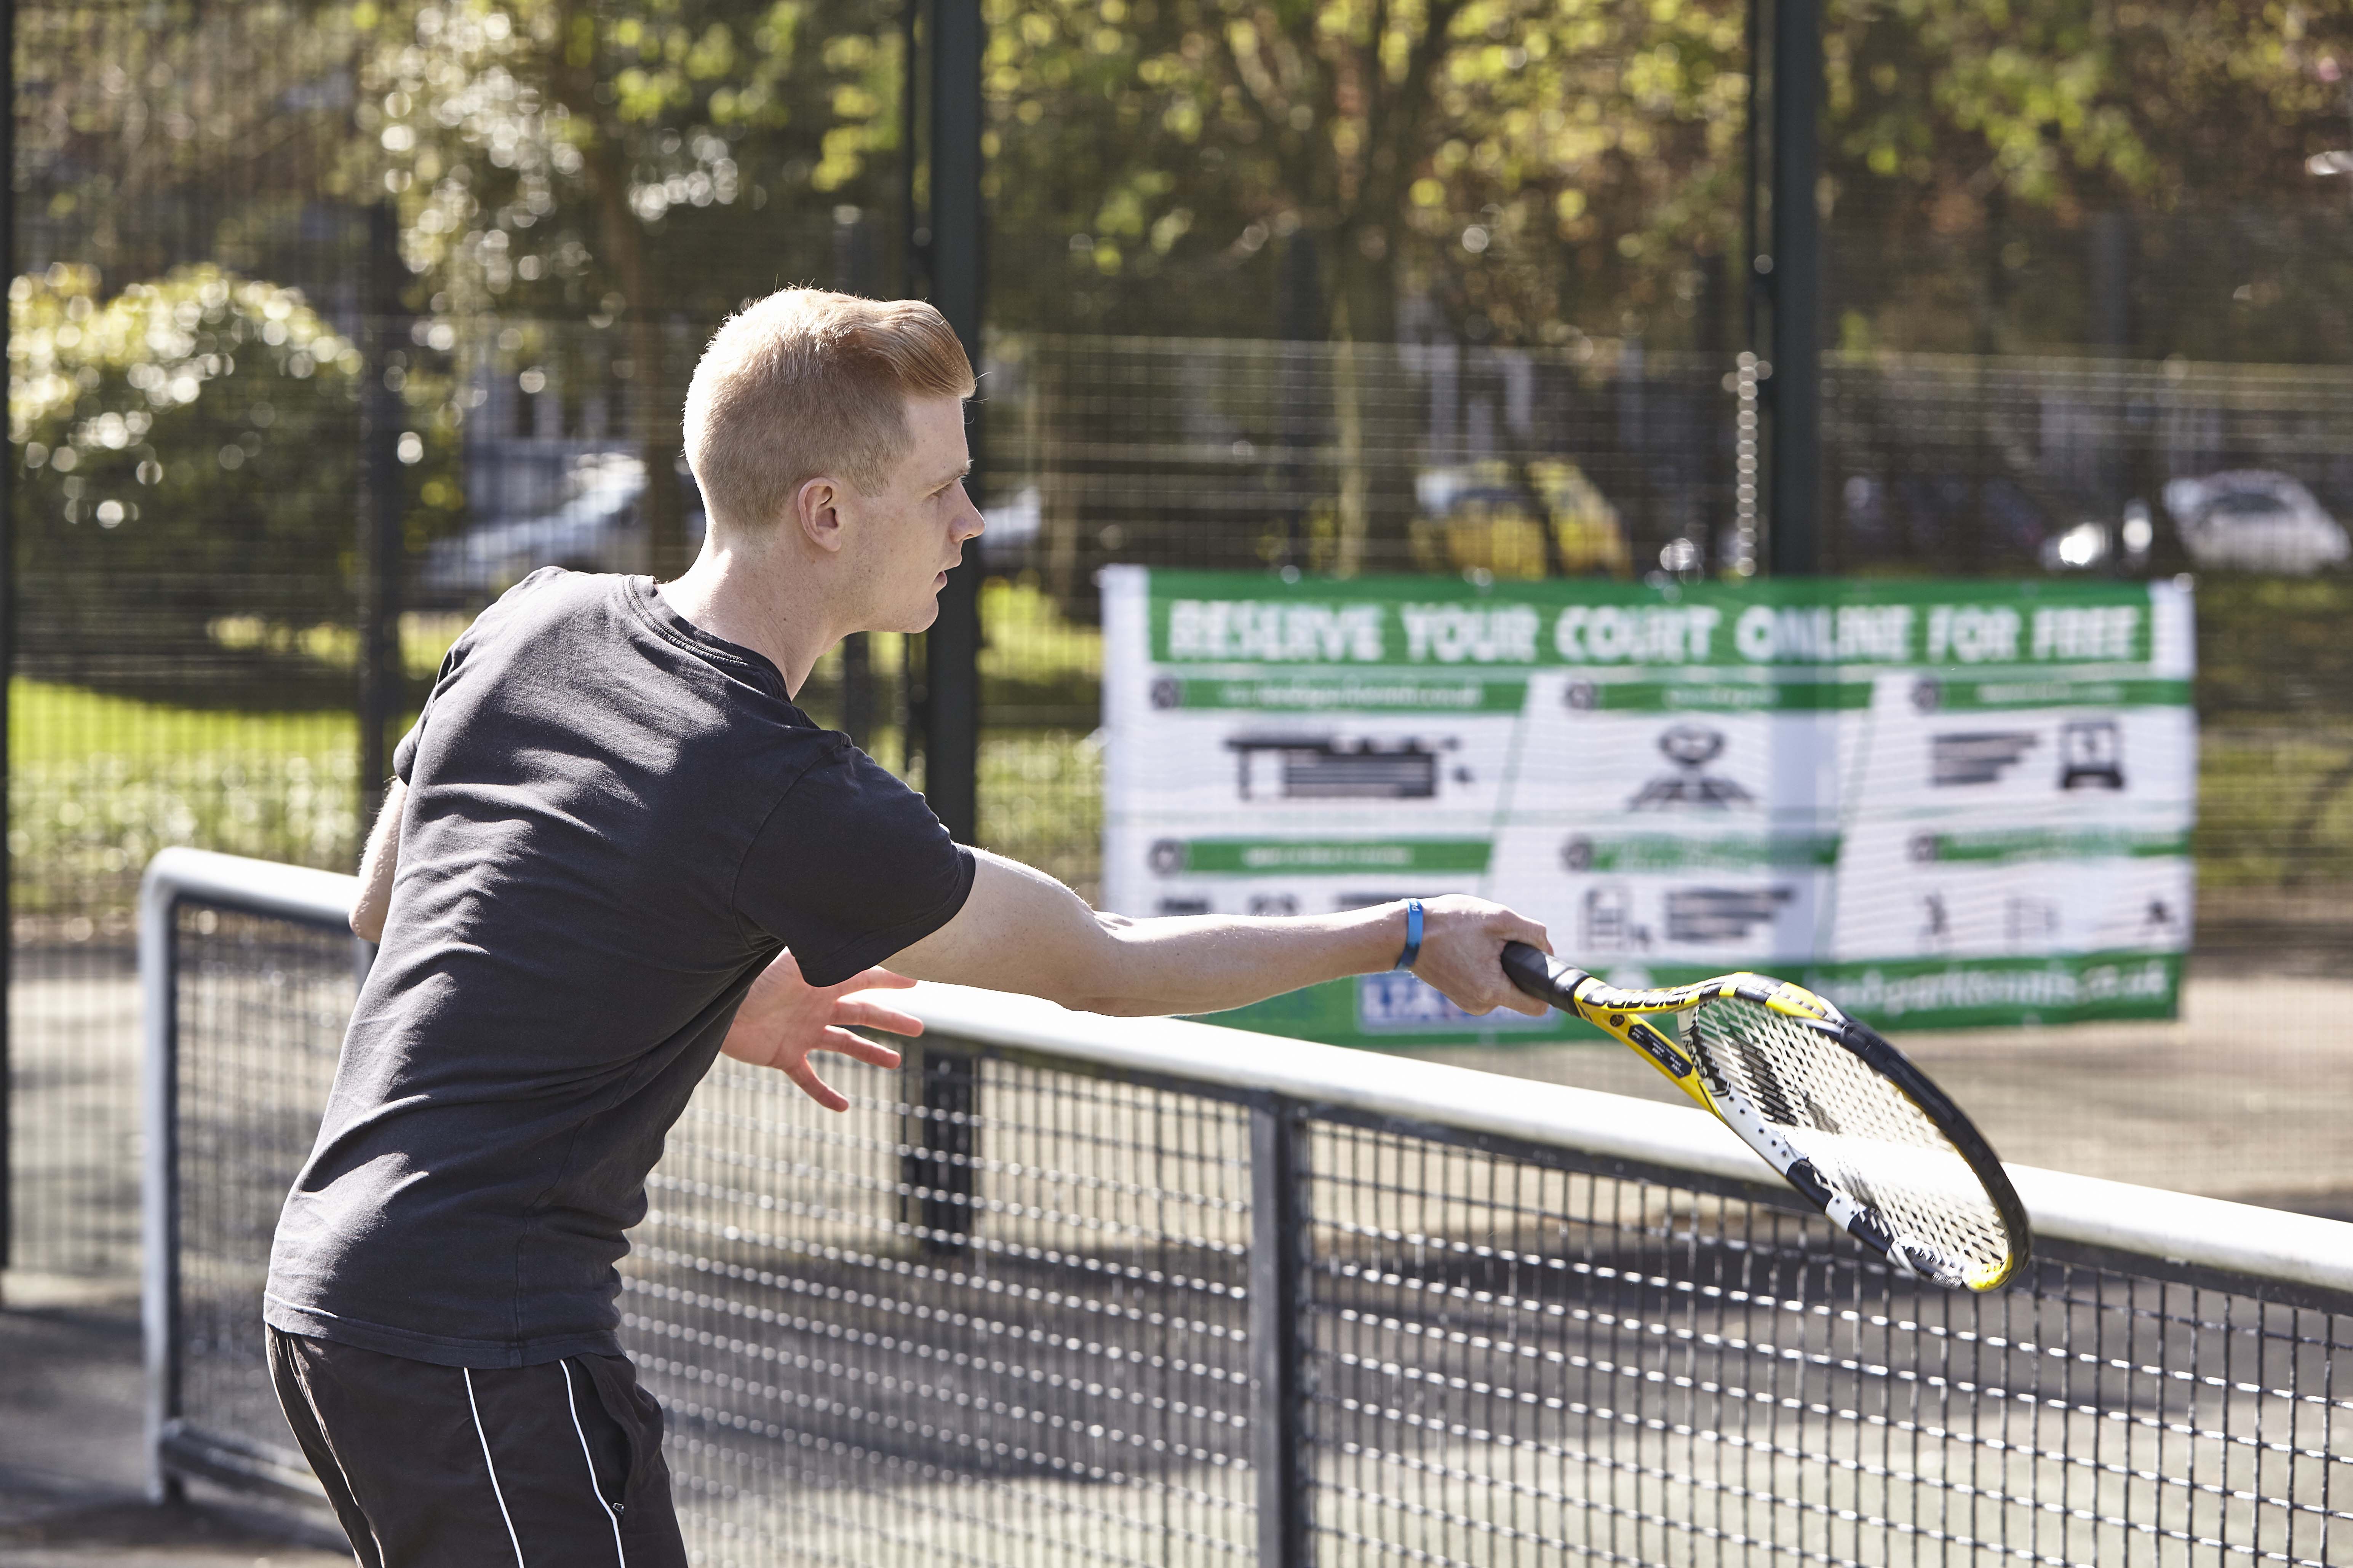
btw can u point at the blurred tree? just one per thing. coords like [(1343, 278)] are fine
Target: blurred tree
[(130, 412), (1972, 145), (1530, 153), (1533, 165), (562, 158)]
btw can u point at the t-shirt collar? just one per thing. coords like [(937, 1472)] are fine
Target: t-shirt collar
[(755, 667)]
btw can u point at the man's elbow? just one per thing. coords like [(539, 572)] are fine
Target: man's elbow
[(1118, 1007), (367, 924), (1114, 1006)]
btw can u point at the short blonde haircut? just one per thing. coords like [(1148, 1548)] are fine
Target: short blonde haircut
[(807, 383)]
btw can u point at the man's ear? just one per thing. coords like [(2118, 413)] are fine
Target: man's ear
[(816, 508)]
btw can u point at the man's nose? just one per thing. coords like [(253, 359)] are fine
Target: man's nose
[(971, 525)]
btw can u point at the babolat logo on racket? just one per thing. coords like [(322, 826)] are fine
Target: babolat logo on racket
[(1655, 1044)]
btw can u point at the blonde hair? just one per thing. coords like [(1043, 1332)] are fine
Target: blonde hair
[(807, 383)]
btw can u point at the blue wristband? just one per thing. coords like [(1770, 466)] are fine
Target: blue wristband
[(1412, 934)]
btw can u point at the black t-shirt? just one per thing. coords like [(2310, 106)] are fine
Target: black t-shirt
[(614, 822)]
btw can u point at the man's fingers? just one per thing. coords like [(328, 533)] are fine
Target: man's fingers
[(848, 1045), (841, 1040), (800, 1072), (874, 1015), (1519, 1001), (1512, 926)]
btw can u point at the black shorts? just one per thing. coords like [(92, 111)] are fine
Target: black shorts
[(555, 1465)]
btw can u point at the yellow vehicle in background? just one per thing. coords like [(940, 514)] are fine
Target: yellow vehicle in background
[(1481, 517)]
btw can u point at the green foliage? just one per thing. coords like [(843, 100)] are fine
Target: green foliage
[(174, 437), (1481, 145), (1534, 166), (560, 159), (1034, 658), (189, 451)]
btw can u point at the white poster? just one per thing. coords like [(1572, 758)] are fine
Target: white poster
[(1943, 804)]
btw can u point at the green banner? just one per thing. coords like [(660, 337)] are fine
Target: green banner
[(1963, 696), (1295, 857), (1761, 696), (1674, 852), (1841, 782), (1961, 994), (2008, 845), (1416, 622), (1398, 1011), (1408, 692)]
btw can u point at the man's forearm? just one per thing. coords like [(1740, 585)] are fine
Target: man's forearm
[(1205, 963), (1021, 931)]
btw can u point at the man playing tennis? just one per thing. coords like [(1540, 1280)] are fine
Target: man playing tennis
[(614, 848)]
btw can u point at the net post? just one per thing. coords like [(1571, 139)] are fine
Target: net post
[(160, 1173), (853, 273), (940, 1141), (951, 675), (1279, 1212), (1793, 534), (381, 497), (7, 654), (952, 646)]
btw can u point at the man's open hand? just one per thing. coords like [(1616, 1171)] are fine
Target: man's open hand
[(783, 1018)]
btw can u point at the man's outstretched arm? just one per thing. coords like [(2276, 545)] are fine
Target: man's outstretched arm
[(1022, 930), (378, 861)]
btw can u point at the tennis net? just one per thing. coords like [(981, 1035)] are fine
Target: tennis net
[(1070, 1291)]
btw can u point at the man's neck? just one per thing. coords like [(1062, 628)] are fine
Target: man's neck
[(759, 600)]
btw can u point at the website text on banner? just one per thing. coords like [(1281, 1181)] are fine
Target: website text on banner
[(1940, 804)]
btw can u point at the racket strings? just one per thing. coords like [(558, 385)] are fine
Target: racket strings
[(1863, 1135)]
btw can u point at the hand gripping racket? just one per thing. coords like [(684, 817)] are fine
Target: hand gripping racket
[(1859, 1131)]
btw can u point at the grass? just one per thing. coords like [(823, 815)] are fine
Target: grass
[(1041, 802), (62, 725), (98, 784)]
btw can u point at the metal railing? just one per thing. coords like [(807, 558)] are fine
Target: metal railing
[(1153, 1291)]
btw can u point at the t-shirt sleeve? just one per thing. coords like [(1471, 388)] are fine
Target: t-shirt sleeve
[(403, 755), (850, 868)]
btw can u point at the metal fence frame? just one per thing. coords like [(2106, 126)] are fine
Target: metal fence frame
[(2293, 1259)]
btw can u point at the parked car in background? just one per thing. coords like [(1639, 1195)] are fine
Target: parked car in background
[(2253, 520), (593, 526)]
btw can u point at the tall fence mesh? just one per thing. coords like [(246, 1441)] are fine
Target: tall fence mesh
[(1020, 1332), (285, 275), (231, 724)]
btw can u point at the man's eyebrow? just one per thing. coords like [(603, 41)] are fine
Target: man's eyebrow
[(962, 470)]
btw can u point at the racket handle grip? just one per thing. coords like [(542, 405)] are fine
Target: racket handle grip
[(1546, 979)]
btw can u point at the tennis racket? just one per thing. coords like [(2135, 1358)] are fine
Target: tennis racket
[(1861, 1133)]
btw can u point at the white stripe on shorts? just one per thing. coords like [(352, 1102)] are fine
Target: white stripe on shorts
[(495, 1492), (574, 1405)]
